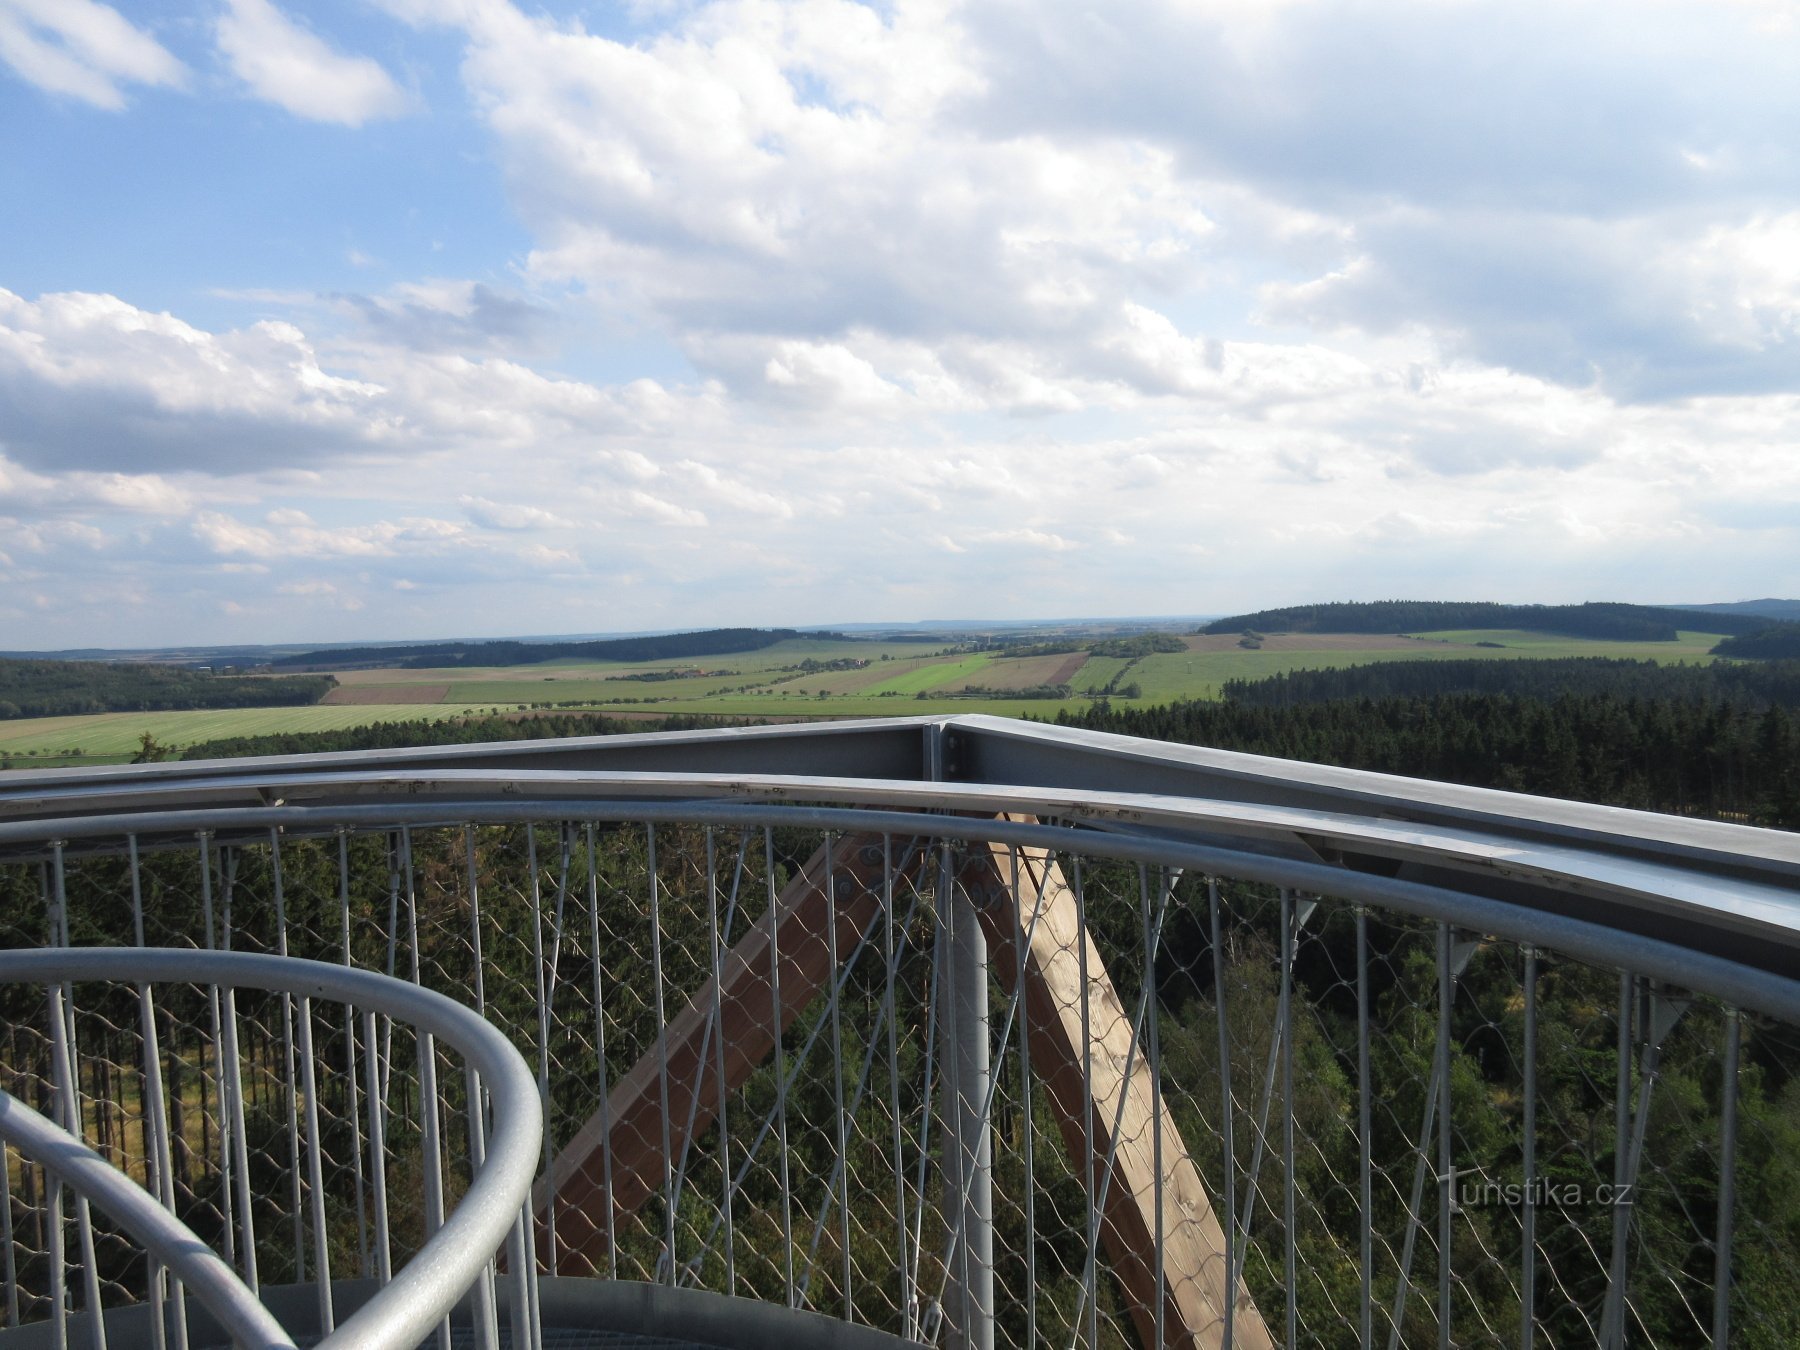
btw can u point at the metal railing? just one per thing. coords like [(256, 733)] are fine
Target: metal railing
[(140, 1181), (979, 1034)]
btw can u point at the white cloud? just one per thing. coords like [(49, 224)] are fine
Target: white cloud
[(510, 515), (82, 49), (293, 68)]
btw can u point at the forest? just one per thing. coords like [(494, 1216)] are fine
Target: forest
[(65, 688), (672, 646), (1713, 741), (1777, 642), (1598, 619)]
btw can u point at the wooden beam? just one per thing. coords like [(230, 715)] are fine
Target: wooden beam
[(632, 1128), (1193, 1264)]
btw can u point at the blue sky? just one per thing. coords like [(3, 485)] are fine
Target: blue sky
[(403, 318)]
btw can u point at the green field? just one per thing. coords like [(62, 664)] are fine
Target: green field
[(767, 684), (110, 738)]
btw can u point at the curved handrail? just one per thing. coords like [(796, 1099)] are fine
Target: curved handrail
[(421, 1293), (173, 1243)]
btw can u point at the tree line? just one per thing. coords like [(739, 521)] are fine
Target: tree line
[(69, 688), (1602, 620), (1721, 745), (447, 655)]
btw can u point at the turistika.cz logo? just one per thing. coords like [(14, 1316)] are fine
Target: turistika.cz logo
[(1472, 1190)]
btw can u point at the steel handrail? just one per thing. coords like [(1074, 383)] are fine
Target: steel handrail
[(451, 1260), (1754, 922), (164, 1236), (1741, 983)]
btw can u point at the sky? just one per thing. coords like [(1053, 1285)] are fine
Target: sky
[(390, 319)]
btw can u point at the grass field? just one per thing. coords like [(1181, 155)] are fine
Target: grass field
[(111, 738), (767, 683)]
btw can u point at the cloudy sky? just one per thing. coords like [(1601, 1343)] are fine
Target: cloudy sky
[(409, 318)]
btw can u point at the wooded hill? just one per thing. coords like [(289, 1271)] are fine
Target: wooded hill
[(67, 688), (1775, 642), (431, 656), (1603, 620)]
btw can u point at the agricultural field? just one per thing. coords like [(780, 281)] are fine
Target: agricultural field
[(800, 678), (112, 738)]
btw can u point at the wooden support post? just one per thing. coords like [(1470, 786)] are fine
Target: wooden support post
[(747, 1024), (1194, 1249)]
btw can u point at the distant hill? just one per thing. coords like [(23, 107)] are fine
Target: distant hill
[(70, 688), (1598, 619), (1788, 610), (670, 647)]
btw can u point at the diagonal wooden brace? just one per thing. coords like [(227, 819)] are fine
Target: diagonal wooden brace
[(1041, 907), (679, 1075)]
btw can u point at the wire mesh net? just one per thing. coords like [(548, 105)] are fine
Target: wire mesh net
[(1168, 1103)]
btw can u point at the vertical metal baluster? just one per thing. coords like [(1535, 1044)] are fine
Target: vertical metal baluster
[(606, 1181), (315, 1170), (662, 1050), (350, 1075), (486, 1331), (9, 1266), (1090, 1272), (837, 1072), (781, 1120), (486, 1325), (1021, 940), (59, 1279), (431, 1118), (295, 1200), (76, 1120), (890, 963), (1446, 1199), (54, 1010), (1728, 1104), (386, 1058), (384, 1255), (1228, 1183), (167, 1298), (1285, 1017), (216, 1017), (1153, 1062), (1365, 1161), (475, 917), (543, 1034), (718, 1040), (1612, 1320), (1528, 1236), (934, 982), (234, 1089), (519, 1265)]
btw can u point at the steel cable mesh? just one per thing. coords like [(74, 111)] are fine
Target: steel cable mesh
[(587, 943)]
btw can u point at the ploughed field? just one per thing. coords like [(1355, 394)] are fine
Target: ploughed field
[(803, 678)]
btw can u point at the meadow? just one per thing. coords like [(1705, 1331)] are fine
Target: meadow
[(801, 678)]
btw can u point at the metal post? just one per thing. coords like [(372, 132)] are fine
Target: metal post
[(1728, 1093), (968, 1147), (1528, 1235)]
